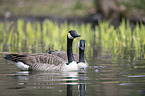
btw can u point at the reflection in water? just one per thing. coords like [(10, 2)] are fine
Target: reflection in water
[(32, 80), (41, 79), (71, 79), (69, 90), (137, 76), (22, 77), (82, 84), (36, 80)]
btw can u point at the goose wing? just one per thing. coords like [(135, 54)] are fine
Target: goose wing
[(31, 59)]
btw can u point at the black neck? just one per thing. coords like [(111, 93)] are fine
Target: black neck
[(69, 50), (81, 55)]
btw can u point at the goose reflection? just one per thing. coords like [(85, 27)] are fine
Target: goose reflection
[(48, 80), (71, 79), (40, 80), (69, 88), (81, 85), (32, 78)]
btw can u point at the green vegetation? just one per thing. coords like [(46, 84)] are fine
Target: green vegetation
[(122, 40), (31, 37), (20, 37)]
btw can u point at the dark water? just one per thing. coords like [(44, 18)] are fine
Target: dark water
[(104, 77)]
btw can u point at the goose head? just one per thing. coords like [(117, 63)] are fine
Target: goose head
[(81, 63), (72, 34)]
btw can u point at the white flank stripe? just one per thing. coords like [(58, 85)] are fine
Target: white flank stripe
[(21, 65)]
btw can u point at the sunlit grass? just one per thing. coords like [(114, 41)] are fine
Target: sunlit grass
[(123, 39), (30, 37)]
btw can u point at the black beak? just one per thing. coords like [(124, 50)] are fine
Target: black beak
[(74, 34), (77, 35)]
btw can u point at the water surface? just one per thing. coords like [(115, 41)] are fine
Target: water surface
[(104, 77)]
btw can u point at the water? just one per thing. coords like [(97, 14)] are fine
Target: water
[(104, 77)]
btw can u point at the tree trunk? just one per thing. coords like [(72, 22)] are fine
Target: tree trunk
[(108, 8)]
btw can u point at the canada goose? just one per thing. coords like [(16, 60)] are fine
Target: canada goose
[(46, 62), (82, 63)]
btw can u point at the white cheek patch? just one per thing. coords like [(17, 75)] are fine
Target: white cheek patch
[(70, 37)]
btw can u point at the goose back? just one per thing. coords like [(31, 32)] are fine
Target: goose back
[(63, 55), (44, 58)]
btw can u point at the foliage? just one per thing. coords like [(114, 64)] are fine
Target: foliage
[(29, 36)]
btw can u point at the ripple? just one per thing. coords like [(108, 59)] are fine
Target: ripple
[(136, 76)]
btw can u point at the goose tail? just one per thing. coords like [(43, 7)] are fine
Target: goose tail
[(15, 57), (8, 57)]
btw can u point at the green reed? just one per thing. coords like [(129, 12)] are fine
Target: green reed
[(123, 39), (1, 36), (28, 36)]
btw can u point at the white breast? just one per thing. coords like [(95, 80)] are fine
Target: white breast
[(73, 66), (82, 65)]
